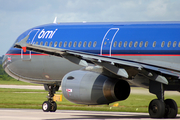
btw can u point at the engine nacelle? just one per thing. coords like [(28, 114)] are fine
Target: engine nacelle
[(86, 87)]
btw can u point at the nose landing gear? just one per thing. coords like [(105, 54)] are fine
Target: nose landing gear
[(50, 105)]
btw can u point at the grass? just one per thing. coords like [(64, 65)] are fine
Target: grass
[(33, 99)]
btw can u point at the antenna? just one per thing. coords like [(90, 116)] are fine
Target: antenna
[(55, 19)]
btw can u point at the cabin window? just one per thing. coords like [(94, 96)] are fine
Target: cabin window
[(169, 44), (60, 44), (41, 43), (89, 44), (46, 43), (162, 44), (174, 44), (179, 44), (75, 43), (94, 44), (120, 44), (37, 43), (55, 44), (154, 44), (65, 44), (115, 44), (50, 44), (125, 44), (141, 44), (135, 44), (130, 44), (146, 44), (84, 44), (79, 45), (70, 44)]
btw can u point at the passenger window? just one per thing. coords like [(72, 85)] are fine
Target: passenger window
[(79, 45), (154, 44), (55, 44), (169, 44), (162, 44), (141, 44), (75, 43), (135, 44), (174, 44), (89, 44), (115, 43), (179, 44), (46, 43), (146, 44), (94, 44), (50, 44), (84, 45), (60, 44), (120, 44), (125, 44), (70, 44), (130, 44), (41, 43), (37, 43), (65, 44)]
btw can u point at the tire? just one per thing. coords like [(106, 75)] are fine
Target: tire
[(156, 109), (171, 108), (46, 106), (53, 107)]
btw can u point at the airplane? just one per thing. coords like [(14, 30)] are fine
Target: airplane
[(94, 63)]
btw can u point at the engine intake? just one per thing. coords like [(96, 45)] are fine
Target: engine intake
[(86, 87)]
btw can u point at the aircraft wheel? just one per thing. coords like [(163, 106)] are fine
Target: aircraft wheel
[(53, 107), (171, 108), (46, 106), (156, 109)]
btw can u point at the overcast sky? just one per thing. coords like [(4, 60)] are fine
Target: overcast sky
[(16, 16)]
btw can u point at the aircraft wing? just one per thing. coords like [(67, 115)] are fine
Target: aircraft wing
[(115, 65)]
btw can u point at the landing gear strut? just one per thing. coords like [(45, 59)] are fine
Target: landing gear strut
[(160, 108), (50, 105)]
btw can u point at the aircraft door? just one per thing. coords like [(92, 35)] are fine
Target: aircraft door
[(107, 41), (26, 55)]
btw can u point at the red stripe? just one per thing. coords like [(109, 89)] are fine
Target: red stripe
[(113, 54), (29, 54)]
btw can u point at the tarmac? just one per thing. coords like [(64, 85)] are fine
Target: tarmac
[(30, 114)]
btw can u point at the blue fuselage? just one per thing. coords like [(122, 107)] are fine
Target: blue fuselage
[(154, 43)]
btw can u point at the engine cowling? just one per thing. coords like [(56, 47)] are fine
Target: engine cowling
[(91, 88)]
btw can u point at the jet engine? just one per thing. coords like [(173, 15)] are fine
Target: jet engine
[(91, 88)]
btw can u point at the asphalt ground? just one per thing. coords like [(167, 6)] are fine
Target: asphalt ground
[(30, 114)]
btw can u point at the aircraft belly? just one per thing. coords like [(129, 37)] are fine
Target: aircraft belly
[(40, 69)]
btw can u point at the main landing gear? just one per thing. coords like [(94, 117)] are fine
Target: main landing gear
[(50, 105), (160, 108)]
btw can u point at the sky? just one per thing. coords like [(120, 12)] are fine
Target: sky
[(17, 16)]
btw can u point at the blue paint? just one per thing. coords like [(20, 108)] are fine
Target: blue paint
[(127, 32)]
